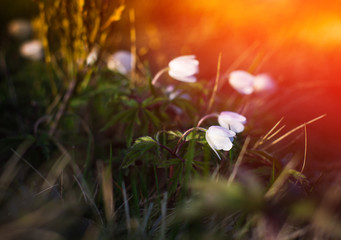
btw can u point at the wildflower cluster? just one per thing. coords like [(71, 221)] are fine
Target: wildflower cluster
[(220, 137)]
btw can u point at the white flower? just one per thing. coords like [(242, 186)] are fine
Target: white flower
[(219, 138), (92, 57), (263, 82), (232, 121), (172, 93), (242, 82), (120, 61), (32, 49), (183, 68), (246, 83), (20, 29)]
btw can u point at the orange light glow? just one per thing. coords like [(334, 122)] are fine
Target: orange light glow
[(298, 43)]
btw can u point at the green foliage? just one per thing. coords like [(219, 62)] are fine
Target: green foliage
[(139, 151)]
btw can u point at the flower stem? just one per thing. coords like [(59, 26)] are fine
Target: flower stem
[(178, 145), (157, 76), (205, 117)]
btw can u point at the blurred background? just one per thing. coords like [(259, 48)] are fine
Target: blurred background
[(298, 43)]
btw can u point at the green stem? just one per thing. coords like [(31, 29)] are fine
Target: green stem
[(178, 145)]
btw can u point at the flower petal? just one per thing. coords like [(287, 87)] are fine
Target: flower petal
[(242, 81), (219, 138), (120, 61), (232, 121), (232, 116), (211, 144), (32, 50), (237, 127), (183, 68), (263, 82), (182, 77)]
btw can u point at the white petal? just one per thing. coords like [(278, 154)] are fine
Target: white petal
[(264, 82), (237, 127), (211, 144), (183, 68), (178, 61), (219, 138), (223, 122), (183, 78), (232, 116), (242, 82), (32, 49), (223, 143), (219, 131), (92, 57), (232, 121), (120, 61)]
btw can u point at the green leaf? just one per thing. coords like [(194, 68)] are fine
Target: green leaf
[(152, 117), (130, 102), (297, 175), (151, 101), (130, 128), (139, 150), (121, 116)]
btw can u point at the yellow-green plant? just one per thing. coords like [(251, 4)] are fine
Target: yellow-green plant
[(69, 31)]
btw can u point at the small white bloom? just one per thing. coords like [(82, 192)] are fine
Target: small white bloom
[(242, 81), (263, 82), (232, 121), (183, 68), (219, 138), (172, 93), (32, 50), (92, 57), (20, 29), (246, 83), (120, 61)]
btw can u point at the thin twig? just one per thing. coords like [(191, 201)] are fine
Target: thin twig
[(45, 118), (239, 161), (305, 148), (238, 61), (163, 216), (34, 169), (133, 46), (86, 195), (275, 133), (261, 140), (46, 189), (63, 106), (158, 75), (126, 206), (294, 130), (216, 83)]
